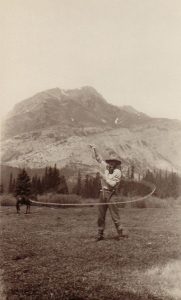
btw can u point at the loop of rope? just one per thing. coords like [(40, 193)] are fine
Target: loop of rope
[(148, 184)]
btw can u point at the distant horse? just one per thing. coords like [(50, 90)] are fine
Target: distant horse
[(23, 200)]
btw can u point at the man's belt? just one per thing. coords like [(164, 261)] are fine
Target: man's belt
[(106, 190), (111, 193)]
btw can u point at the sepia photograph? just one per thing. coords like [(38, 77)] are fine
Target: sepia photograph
[(90, 150)]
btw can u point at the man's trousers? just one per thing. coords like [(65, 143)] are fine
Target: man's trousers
[(113, 208)]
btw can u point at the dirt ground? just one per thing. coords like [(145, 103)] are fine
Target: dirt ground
[(52, 254)]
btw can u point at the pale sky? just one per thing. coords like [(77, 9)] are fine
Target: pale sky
[(129, 50)]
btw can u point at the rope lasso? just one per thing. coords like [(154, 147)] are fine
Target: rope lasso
[(48, 204)]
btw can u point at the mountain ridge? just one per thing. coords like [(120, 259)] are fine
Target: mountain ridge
[(77, 107), (56, 126)]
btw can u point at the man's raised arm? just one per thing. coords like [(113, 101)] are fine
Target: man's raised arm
[(97, 156)]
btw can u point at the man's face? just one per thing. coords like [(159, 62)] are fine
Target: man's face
[(111, 167)]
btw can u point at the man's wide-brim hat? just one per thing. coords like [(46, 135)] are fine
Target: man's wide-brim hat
[(113, 158)]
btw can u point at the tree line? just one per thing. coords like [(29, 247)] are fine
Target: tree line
[(53, 181), (88, 187), (168, 184)]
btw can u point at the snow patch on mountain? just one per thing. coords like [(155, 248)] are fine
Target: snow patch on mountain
[(116, 120), (64, 92)]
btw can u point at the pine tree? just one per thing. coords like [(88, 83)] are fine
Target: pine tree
[(96, 185), (43, 186), (23, 184), (132, 171), (33, 185), (79, 184), (78, 187), (50, 179), (39, 186), (62, 188), (10, 187), (128, 173), (1, 188), (92, 187), (56, 177), (45, 180), (174, 184), (13, 185), (66, 190), (86, 188)]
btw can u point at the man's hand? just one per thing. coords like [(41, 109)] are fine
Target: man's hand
[(95, 153), (92, 146)]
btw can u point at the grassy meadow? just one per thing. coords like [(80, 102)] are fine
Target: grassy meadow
[(52, 254)]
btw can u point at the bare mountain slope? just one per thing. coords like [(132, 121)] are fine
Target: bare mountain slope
[(56, 126), (72, 108)]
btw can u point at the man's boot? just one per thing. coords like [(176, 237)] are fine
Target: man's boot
[(100, 236), (122, 233)]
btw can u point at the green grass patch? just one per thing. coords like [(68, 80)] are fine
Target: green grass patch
[(52, 254)]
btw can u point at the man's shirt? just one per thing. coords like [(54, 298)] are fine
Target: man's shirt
[(110, 180)]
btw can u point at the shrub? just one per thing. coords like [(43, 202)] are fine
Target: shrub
[(177, 201), (59, 198), (151, 202), (7, 200)]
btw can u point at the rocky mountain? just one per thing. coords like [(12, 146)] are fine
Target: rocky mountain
[(78, 108), (56, 126)]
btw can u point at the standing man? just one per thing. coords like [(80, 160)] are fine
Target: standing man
[(110, 178)]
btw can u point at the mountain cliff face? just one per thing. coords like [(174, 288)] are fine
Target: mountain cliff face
[(79, 108), (57, 125)]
